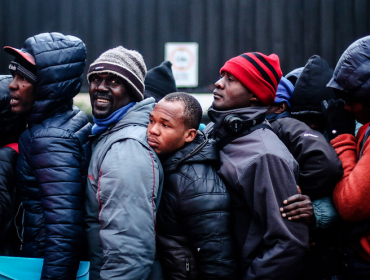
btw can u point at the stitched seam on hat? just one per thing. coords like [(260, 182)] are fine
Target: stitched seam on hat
[(82, 61), (53, 50)]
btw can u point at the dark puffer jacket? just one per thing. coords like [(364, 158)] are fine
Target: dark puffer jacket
[(54, 157), (11, 127), (193, 226), (8, 160)]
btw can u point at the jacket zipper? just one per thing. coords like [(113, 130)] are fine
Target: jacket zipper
[(16, 227), (187, 268)]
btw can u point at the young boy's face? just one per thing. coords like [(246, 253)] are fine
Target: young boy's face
[(166, 130)]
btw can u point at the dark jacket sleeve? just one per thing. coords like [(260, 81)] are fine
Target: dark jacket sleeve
[(56, 164), (320, 167), (267, 182), (8, 159), (205, 212)]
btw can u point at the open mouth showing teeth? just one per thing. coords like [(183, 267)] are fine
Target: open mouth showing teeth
[(102, 100)]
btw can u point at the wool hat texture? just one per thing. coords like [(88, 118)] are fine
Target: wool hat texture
[(258, 72), (284, 91), (127, 64), (159, 81)]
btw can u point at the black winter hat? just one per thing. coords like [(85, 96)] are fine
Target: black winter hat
[(310, 89), (159, 81), (352, 73), (11, 125)]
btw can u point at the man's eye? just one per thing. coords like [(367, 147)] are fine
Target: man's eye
[(114, 82), (151, 121), (165, 125)]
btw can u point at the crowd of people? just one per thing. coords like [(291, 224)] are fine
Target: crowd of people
[(276, 186)]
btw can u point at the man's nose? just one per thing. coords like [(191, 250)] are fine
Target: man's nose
[(348, 107), (13, 85), (102, 86), (153, 129), (220, 83)]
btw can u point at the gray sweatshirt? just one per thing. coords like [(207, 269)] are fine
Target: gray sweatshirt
[(122, 196), (260, 173)]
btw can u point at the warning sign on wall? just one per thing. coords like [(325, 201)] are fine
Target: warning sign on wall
[(184, 59)]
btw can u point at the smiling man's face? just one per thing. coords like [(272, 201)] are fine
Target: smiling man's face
[(108, 93)]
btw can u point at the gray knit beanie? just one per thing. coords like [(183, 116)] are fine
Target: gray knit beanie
[(127, 64)]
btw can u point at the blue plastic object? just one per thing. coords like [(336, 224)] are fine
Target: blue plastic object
[(30, 269)]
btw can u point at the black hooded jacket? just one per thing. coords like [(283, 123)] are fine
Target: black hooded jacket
[(11, 126), (193, 221), (54, 154), (310, 89), (319, 165)]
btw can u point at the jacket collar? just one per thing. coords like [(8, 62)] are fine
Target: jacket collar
[(247, 113), (201, 149)]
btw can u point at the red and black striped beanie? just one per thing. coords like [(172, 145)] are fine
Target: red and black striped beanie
[(258, 72)]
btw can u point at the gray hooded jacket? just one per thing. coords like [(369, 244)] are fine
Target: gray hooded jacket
[(260, 173), (122, 196)]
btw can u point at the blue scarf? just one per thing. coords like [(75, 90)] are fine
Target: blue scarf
[(101, 125), (274, 117)]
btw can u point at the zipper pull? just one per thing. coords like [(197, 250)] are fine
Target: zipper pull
[(187, 267)]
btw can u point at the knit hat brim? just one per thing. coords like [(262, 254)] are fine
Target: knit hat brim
[(128, 76)]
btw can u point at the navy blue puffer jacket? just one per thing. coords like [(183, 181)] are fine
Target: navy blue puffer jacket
[(54, 157)]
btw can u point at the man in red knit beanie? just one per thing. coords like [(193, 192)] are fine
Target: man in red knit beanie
[(258, 170), (351, 82)]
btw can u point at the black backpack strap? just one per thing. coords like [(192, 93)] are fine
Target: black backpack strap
[(231, 137)]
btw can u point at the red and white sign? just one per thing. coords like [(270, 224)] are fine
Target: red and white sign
[(184, 59)]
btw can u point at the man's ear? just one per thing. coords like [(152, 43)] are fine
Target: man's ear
[(254, 98), (281, 107), (190, 135)]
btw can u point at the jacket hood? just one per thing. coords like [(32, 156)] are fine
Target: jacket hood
[(11, 125), (352, 72), (137, 115), (294, 75), (200, 149), (310, 88), (60, 62), (246, 113)]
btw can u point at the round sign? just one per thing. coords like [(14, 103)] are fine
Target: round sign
[(181, 59)]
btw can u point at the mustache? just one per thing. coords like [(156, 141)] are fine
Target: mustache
[(103, 95)]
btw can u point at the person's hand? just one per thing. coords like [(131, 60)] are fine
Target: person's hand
[(299, 207), (338, 120)]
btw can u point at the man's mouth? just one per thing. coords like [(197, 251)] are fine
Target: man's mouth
[(13, 101), (152, 142), (216, 95), (102, 101)]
